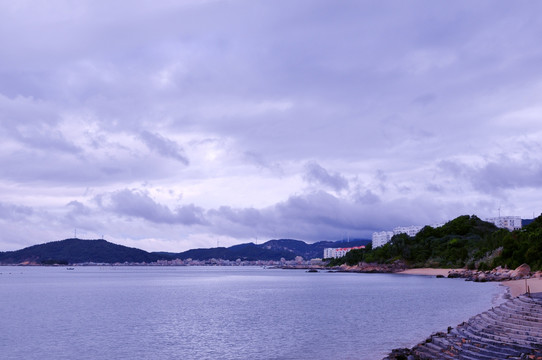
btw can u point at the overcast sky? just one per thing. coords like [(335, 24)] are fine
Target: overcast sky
[(170, 125)]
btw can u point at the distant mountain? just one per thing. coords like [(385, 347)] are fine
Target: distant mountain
[(270, 250), (72, 251), (249, 252), (77, 251), (310, 251)]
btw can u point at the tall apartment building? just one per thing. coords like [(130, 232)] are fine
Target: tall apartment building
[(409, 230), (339, 252), (381, 238), (506, 222)]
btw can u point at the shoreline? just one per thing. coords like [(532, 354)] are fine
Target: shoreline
[(459, 339), (515, 287), (519, 287), (426, 272)]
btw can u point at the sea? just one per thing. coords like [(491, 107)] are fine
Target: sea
[(144, 312)]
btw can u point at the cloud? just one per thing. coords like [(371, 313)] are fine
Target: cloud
[(138, 204), (164, 146), (500, 174), (277, 124), (315, 174), (14, 212), (425, 99), (323, 216), (78, 208)]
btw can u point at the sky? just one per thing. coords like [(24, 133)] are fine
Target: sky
[(171, 125)]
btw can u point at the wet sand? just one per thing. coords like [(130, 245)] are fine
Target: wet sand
[(426, 271), (517, 287)]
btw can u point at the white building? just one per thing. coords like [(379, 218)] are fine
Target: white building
[(381, 238), (506, 222), (409, 230), (339, 252)]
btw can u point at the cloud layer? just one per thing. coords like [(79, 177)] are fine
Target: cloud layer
[(174, 125)]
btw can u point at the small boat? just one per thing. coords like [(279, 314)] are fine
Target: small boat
[(312, 270), (70, 268)]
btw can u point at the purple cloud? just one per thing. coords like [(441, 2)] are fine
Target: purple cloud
[(164, 146), (338, 118), (316, 174), (14, 212), (138, 204)]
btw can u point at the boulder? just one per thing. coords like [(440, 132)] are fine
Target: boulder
[(521, 272)]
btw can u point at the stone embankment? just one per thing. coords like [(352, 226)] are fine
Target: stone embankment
[(497, 274), (512, 330)]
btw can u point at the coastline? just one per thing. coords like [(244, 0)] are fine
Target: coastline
[(518, 287), (426, 271), (515, 287), (477, 335)]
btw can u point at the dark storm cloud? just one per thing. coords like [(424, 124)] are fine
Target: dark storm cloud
[(77, 208), (320, 215), (315, 173), (138, 204), (14, 212), (284, 111), (503, 173), (164, 146), (260, 161)]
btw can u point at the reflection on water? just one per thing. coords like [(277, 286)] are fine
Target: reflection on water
[(224, 313)]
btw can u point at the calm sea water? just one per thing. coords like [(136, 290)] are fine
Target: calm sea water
[(224, 313)]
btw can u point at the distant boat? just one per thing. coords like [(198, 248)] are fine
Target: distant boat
[(70, 268), (312, 270)]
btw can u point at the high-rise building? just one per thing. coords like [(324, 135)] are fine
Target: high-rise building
[(506, 222), (381, 238), (339, 252)]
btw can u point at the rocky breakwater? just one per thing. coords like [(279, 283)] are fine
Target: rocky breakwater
[(497, 274), (512, 330)]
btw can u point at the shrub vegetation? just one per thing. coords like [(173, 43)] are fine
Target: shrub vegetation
[(466, 241)]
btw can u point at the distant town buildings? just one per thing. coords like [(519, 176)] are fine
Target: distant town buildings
[(506, 222), (339, 252)]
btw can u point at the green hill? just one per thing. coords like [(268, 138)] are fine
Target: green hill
[(77, 251), (465, 241)]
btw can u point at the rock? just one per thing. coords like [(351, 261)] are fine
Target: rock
[(401, 354), (521, 272)]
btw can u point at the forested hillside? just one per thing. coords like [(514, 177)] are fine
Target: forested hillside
[(465, 241)]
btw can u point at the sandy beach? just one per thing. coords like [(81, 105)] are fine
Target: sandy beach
[(426, 271), (517, 287)]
